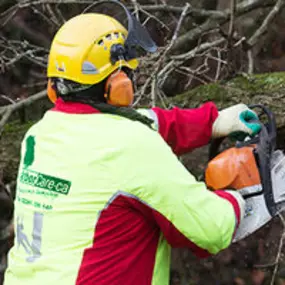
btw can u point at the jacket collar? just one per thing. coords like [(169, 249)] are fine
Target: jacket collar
[(73, 107)]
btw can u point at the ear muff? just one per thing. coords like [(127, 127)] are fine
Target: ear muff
[(51, 91), (119, 89)]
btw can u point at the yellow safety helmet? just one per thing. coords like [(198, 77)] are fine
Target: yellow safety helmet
[(86, 49)]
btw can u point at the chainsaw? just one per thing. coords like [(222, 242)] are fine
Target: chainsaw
[(256, 169)]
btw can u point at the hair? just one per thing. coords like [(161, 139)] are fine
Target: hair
[(94, 96)]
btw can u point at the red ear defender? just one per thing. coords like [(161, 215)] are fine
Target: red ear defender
[(119, 89), (51, 91)]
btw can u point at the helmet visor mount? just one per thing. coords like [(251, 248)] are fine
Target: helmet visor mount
[(138, 37)]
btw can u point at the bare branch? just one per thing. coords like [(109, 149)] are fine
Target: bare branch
[(232, 19), (277, 259), (8, 110), (263, 28), (231, 67), (192, 12), (264, 266), (163, 56), (244, 7), (201, 48), (153, 92), (250, 68), (218, 71), (5, 97), (193, 34), (248, 6), (213, 22), (137, 8), (175, 35)]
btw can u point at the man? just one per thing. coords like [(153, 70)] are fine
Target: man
[(101, 196)]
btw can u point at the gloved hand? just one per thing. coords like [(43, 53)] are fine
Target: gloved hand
[(237, 121)]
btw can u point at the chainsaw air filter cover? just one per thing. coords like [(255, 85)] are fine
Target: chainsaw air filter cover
[(234, 168)]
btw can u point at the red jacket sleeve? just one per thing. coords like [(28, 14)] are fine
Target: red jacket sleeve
[(174, 237), (177, 240), (186, 129)]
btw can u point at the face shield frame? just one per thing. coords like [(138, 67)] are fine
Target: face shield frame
[(138, 36)]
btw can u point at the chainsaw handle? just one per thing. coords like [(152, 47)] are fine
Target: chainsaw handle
[(271, 123), (268, 131), (214, 148)]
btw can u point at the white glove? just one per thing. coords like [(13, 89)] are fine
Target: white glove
[(236, 120)]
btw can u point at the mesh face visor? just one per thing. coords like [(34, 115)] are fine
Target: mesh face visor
[(138, 41)]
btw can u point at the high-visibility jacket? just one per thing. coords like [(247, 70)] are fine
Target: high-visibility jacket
[(101, 198)]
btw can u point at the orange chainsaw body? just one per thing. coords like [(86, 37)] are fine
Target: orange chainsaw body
[(234, 168)]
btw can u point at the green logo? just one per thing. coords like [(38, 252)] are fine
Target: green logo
[(47, 182), (30, 151)]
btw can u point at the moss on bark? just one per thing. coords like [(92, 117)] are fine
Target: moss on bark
[(267, 89)]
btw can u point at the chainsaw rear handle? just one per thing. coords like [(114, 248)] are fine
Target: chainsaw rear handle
[(268, 130), (270, 125)]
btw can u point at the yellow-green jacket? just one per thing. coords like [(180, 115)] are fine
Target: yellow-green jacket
[(101, 199)]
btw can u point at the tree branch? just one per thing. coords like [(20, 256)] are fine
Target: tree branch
[(26, 102), (277, 259), (250, 68), (200, 48), (263, 28), (244, 7), (193, 12), (231, 67), (213, 22), (7, 111), (162, 58)]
